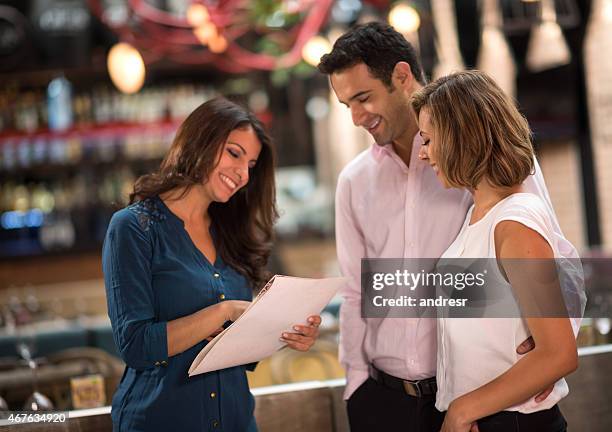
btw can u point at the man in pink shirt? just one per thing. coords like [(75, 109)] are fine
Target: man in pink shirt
[(389, 204)]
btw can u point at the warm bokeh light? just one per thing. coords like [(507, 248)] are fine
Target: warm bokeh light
[(206, 32), (217, 44), (126, 68), (197, 14), (607, 11), (404, 18), (314, 49)]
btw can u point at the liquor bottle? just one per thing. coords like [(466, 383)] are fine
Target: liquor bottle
[(59, 103)]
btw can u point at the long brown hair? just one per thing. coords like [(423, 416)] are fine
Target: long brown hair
[(243, 226)]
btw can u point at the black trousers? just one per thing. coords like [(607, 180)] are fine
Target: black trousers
[(550, 420), (374, 407)]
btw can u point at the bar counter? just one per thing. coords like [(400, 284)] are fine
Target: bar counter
[(281, 408)]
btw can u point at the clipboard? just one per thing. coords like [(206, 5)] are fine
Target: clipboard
[(283, 302)]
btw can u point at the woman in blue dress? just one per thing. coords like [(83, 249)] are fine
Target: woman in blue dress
[(181, 261)]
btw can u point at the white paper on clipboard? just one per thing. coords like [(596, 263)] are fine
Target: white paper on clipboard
[(282, 303)]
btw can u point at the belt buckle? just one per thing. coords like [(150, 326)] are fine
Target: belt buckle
[(412, 388)]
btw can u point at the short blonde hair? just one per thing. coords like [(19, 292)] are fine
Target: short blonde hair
[(479, 131)]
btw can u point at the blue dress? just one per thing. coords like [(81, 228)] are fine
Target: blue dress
[(153, 274)]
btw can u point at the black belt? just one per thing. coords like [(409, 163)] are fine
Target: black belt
[(420, 388)]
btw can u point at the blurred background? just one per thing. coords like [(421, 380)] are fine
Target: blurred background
[(92, 92)]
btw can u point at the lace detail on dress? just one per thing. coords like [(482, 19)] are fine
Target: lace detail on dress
[(148, 212)]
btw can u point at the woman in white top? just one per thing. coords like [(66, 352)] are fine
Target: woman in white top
[(475, 138)]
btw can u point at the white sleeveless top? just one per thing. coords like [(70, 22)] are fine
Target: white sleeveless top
[(474, 351)]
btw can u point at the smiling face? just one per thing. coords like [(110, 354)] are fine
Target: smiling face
[(385, 114), (430, 146), (238, 155)]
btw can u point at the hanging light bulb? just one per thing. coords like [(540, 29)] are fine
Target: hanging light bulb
[(126, 68), (314, 49), (197, 14), (206, 32), (404, 18), (552, 29), (217, 44), (547, 47)]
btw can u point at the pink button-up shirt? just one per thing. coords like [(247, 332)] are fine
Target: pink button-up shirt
[(386, 210)]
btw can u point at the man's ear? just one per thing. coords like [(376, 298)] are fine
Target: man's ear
[(402, 76)]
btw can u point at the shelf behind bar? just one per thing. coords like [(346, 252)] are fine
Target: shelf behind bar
[(91, 131)]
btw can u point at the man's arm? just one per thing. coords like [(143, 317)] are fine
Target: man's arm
[(350, 248)]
